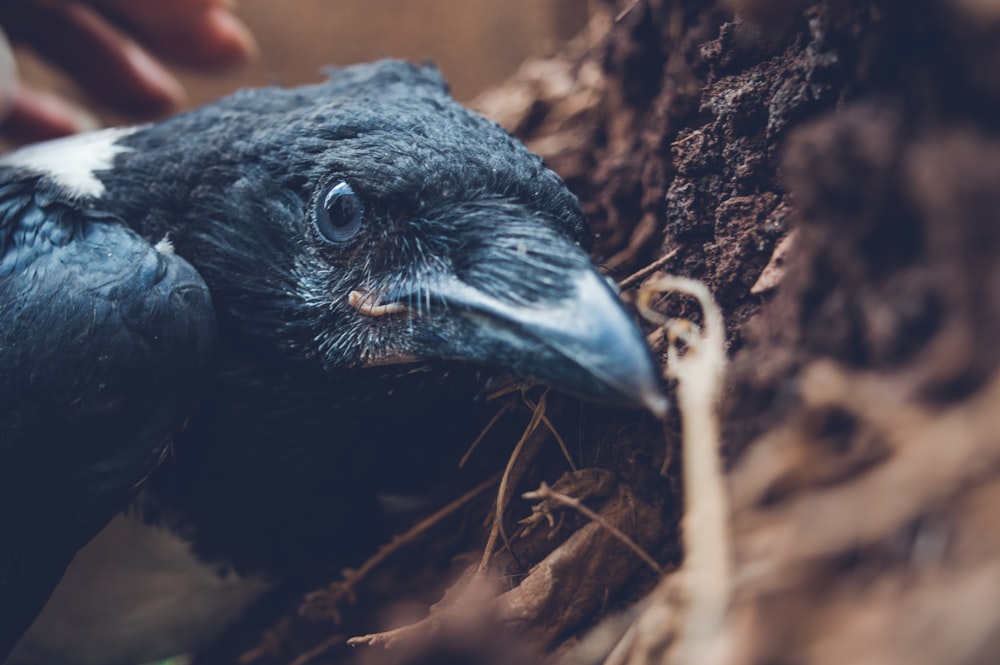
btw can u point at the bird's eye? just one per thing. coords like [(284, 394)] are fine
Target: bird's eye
[(339, 213)]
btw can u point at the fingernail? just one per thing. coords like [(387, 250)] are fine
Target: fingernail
[(84, 120), (57, 112), (235, 41), (39, 115), (158, 81), (9, 82)]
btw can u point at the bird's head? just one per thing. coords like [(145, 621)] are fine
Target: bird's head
[(372, 220)]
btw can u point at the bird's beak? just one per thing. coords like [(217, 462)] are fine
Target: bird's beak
[(581, 341), (586, 344)]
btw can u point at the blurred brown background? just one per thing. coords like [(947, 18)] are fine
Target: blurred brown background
[(477, 43)]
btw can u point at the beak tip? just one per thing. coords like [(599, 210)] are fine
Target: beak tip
[(657, 404)]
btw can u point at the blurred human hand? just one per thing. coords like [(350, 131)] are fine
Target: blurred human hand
[(112, 49)]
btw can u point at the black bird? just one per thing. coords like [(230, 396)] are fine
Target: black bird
[(266, 291)]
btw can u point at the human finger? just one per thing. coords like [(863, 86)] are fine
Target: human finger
[(201, 33), (106, 62), (38, 115)]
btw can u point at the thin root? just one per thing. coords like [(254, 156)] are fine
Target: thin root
[(507, 406), (546, 493), (333, 595), (643, 273), (699, 374), (319, 650), (497, 531), (549, 426)]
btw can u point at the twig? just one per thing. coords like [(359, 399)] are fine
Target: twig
[(625, 12), (549, 426), (497, 531), (642, 273), (269, 643), (319, 650), (508, 389), (464, 600), (344, 588), (544, 492), (507, 406)]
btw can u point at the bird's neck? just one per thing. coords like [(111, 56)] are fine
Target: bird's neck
[(280, 472)]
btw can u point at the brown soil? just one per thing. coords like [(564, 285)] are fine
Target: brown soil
[(861, 447)]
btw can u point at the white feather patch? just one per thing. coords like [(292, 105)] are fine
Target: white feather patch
[(165, 246), (73, 161), (135, 594)]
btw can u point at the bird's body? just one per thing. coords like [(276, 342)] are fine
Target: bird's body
[(272, 289)]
